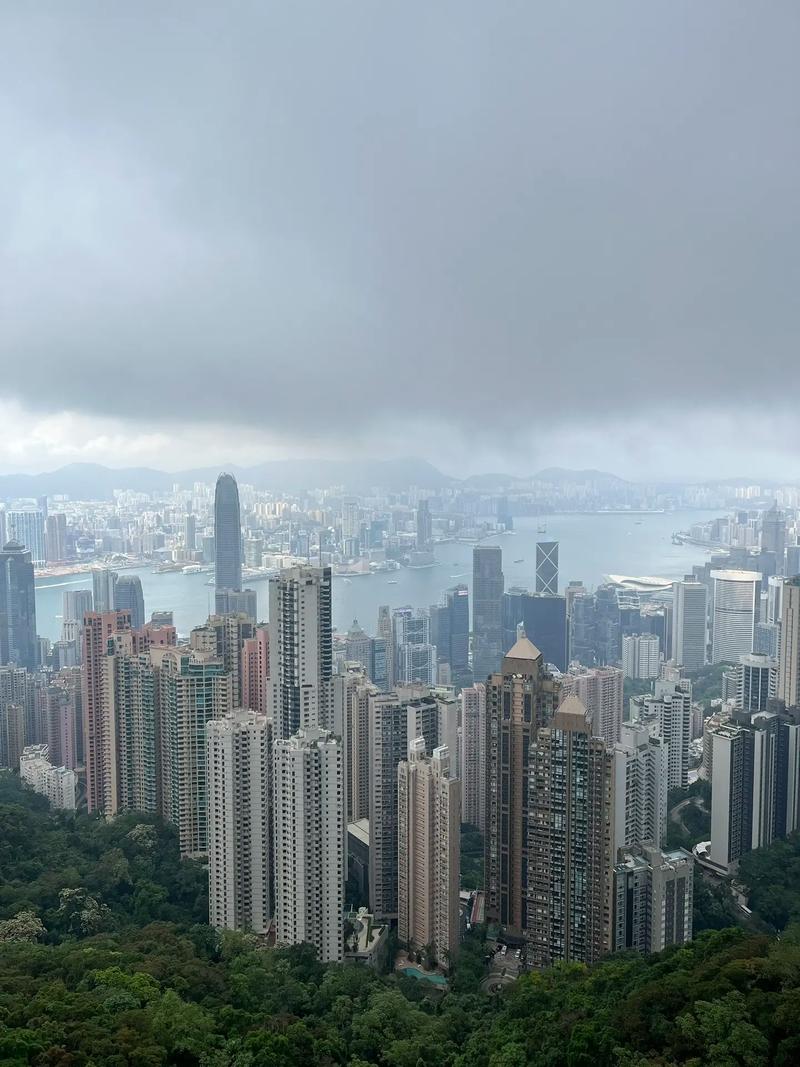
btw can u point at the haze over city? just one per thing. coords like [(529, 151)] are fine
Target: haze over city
[(519, 235), (399, 534)]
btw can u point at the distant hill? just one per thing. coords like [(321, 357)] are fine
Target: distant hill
[(92, 481), (565, 476)]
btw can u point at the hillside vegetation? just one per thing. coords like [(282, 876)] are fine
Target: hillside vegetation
[(105, 960)]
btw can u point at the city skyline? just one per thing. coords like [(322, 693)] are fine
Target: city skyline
[(399, 533)]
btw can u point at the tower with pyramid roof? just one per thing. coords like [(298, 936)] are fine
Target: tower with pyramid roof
[(520, 699)]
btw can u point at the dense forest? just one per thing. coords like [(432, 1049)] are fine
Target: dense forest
[(105, 959)]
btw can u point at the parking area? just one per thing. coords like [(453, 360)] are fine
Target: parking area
[(506, 964)]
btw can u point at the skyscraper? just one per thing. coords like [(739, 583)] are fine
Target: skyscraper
[(394, 721), (17, 607), (600, 690), (351, 693), (520, 699), (192, 688), (570, 857), (26, 526), (12, 734), (487, 610), (428, 852), (737, 596), (190, 533), (595, 628), (104, 586), (789, 666), (640, 656), (670, 710), (547, 567), (450, 633), (388, 746), (742, 795), (300, 649), (544, 620), (424, 526), (227, 534), (773, 535), (756, 682), (641, 784), (358, 645), (237, 602), (255, 670), (56, 537), (415, 657), (473, 755), (239, 807), (309, 777), (775, 584), (690, 612), (75, 604), (386, 634), (128, 596), (99, 723), (309, 841), (131, 703), (224, 636), (416, 664)]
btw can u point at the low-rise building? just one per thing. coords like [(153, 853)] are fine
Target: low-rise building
[(653, 893), (58, 784)]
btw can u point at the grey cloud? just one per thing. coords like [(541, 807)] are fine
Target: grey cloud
[(500, 216)]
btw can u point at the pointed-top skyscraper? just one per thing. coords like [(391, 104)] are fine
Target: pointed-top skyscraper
[(227, 535), (520, 699)]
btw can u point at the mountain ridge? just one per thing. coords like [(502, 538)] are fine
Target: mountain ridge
[(95, 481)]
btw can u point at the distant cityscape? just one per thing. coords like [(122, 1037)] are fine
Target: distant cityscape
[(325, 777)]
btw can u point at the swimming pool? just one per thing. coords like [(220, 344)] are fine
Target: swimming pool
[(415, 972)]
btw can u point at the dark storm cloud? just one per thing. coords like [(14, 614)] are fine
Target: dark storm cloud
[(302, 216)]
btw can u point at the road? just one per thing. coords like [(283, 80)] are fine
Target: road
[(675, 813)]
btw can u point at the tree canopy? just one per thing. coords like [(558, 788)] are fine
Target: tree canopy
[(105, 958)]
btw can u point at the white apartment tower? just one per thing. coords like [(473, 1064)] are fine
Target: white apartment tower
[(640, 787), (672, 707), (300, 649), (309, 764), (600, 690), (428, 851), (309, 841), (239, 783), (640, 656)]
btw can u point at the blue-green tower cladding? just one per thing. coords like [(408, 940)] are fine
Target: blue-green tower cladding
[(17, 607), (227, 535)]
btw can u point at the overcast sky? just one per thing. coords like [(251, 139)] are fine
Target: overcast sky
[(497, 235)]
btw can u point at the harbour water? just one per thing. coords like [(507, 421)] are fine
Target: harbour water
[(590, 547)]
